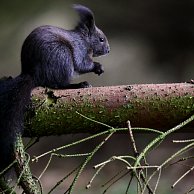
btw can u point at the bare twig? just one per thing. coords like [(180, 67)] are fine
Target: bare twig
[(187, 172), (132, 139)]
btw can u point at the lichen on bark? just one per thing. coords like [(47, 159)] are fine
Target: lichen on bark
[(159, 106)]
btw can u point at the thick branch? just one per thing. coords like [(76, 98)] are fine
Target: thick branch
[(159, 106)]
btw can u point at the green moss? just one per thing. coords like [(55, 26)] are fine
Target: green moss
[(61, 117), (129, 105)]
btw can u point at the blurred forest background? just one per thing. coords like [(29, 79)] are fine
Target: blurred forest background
[(151, 42)]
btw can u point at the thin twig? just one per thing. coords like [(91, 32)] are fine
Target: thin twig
[(91, 137), (70, 145), (158, 180), (181, 160), (181, 151), (64, 178), (132, 139), (141, 167), (94, 176), (161, 137), (119, 178), (136, 154), (187, 172), (183, 141), (128, 186), (47, 165), (87, 160), (112, 178), (98, 122)]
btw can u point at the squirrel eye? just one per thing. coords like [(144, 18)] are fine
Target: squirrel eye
[(101, 39)]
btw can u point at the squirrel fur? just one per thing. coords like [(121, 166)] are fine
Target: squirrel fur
[(50, 57)]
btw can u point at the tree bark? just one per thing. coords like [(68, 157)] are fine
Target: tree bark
[(158, 106)]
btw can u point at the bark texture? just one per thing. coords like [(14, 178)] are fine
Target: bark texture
[(159, 106)]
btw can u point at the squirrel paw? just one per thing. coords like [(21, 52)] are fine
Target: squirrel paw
[(98, 68), (85, 85)]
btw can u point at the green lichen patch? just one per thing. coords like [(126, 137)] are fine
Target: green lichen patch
[(59, 116)]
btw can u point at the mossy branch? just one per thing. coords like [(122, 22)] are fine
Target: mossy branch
[(158, 106), (25, 178)]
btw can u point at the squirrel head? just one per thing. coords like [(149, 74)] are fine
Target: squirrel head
[(94, 37)]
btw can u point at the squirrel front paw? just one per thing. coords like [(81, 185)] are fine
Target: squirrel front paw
[(98, 68)]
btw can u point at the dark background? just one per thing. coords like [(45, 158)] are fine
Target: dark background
[(151, 42)]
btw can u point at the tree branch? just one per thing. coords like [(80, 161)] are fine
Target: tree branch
[(159, 106)]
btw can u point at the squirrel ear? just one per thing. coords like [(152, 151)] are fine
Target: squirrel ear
[(86, 23)]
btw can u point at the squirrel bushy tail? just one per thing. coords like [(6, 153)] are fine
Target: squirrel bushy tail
[(14, 97)]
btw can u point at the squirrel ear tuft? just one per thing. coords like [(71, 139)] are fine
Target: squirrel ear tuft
[(86, 22)]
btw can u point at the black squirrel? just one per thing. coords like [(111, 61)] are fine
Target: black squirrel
[(50, 57)]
